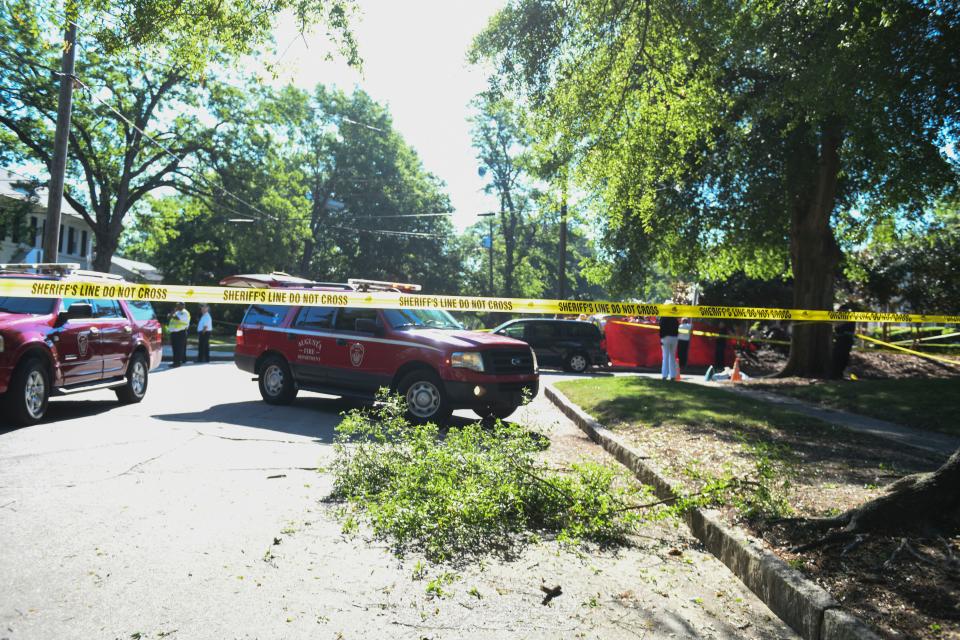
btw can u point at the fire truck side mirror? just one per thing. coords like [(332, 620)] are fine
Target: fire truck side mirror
[(76, 311)]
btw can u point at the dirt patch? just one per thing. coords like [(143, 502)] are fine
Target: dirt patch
[(828, 470), (863, 364)]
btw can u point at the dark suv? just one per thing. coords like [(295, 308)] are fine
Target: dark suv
[(570, 344), (55, 346), (422, 354)]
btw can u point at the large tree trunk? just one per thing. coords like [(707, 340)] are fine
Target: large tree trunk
[(103, 254), (926, 504), (923, 502), (814, 256)]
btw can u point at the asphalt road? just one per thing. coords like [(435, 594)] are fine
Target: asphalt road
[(199, 514)]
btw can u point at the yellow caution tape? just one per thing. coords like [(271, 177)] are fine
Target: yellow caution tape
[(23, 287), (929, 356)]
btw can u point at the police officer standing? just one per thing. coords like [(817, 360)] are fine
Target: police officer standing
[(177, 326)]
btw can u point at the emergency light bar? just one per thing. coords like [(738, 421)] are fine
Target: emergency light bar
[(380, 285), (56, 268)]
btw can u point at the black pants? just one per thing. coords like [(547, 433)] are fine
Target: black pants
[(719, 354), (683, 347), (841, 355), (203, 346), (178, 341)]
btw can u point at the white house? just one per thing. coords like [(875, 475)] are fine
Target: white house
[(76, 237)]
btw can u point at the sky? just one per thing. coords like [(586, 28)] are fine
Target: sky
[(414, 62)]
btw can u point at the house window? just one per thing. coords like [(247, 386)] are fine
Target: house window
[(71, 241), (35, 239), (60, 242), (83, 244)]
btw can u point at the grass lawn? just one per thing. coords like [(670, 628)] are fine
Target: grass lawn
[(692, 431), (919, 403), (628, 399)]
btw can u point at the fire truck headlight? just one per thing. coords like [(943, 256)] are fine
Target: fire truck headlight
[(467, 360)]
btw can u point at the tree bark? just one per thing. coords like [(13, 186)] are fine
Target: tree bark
[(923, 503), (106, 247), (814, 256)]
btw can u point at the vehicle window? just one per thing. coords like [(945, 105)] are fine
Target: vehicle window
[(68, 302), (542, 331), (420, 318), (32, 306), (141, 310), (514, 331), (107, 309), (268, 315), (347, 318), (586, 332), (315, 318)]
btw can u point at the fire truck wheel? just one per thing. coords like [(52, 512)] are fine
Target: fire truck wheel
[(501, 413), (425, 397), (136, 387), (28, 393), (276, 381)]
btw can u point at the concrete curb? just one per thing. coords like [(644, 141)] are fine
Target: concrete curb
[(812, 612)]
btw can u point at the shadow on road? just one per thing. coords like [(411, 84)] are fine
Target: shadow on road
[(315, 418), (60, 409)]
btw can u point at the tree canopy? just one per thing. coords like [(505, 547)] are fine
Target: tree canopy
[(192, 32), (325, 184), (720, 137)]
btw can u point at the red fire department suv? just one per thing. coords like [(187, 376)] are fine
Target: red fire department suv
[(55, 346), (423, 354)]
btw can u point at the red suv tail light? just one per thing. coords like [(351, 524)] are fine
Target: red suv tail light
[(239, 336)]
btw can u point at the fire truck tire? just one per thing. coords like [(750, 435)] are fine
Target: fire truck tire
[(276, 381), (137, 374), (26, 399), (425, 397)]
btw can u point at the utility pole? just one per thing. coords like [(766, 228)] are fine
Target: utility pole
[(489, 217), (51, 240), (562, 271)]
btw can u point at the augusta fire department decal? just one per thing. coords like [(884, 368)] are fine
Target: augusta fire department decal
[(356, 354), (83, 342)]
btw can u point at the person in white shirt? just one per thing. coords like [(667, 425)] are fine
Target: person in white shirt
[(204, 327)]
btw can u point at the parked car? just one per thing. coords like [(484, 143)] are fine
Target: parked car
[(59, 346), (572, 345), (422, 354)]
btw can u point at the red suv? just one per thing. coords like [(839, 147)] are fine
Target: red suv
[(422, 354), (60, 345)]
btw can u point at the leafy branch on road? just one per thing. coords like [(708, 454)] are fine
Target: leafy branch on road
[(472, 489)]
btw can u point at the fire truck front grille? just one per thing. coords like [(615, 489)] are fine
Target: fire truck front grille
[(508, 361)]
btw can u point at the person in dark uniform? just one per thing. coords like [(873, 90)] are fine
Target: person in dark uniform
[(720, 347), (842, 343)]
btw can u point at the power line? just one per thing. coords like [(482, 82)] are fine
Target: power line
[(167, 149), (388, 232)]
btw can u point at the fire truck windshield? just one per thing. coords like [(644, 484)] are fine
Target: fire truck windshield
[(420, 319), (33, 306)]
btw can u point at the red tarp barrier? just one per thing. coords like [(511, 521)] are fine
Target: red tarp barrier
[(630, 345)]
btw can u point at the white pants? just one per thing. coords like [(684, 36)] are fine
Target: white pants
[(668, 370)]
